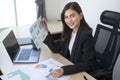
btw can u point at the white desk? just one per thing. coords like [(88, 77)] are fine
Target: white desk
[(53, 26), (7, 66), (45, 54), (21, 32)]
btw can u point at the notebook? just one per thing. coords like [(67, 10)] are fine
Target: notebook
[(20, 54)]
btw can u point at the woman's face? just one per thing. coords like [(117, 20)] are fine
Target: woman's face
[(72, 18)]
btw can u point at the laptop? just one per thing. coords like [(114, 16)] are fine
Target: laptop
[(20, 54)]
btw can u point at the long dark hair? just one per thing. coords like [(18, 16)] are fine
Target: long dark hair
[(66, 30)]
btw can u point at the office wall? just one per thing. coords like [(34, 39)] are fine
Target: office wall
[(91, 9), (52, 9)]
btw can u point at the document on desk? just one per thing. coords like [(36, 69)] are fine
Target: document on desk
[(15, 75), (40, 70), (38, 33), (37, 71)]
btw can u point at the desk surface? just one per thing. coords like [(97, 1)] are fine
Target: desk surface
[(53, 26), (45, 54), (5, 61)]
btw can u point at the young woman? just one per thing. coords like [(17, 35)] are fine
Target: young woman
[(76, 44)]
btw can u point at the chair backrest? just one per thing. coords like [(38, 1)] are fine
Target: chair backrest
[(116, 69), (107, 40)]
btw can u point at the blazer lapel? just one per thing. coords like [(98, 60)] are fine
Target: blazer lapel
[(75, 44), (66, 49)]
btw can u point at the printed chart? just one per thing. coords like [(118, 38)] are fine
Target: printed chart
[(38, 33)]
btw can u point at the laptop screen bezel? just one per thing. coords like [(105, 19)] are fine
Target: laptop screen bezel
[(11, 45)]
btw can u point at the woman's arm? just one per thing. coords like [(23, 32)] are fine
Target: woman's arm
[(55, 46)]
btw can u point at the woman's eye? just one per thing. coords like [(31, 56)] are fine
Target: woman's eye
[(66, 17), (72, 16)]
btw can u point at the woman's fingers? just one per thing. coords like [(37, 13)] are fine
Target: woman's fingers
[(44, 24), (56, 73)]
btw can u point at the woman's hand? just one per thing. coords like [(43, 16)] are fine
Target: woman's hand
[(56, 73), (44, 24)]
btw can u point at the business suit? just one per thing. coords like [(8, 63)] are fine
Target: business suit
[(83, 52)]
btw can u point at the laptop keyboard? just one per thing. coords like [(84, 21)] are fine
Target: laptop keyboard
[(25, 54)]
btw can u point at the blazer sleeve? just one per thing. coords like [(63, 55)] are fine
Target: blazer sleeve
[(53, 45)]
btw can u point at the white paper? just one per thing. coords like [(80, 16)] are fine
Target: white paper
[(36, 73), (41, 72), (15, 75), (38, 33)]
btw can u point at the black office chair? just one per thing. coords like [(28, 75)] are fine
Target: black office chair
[(107, 44), (116, 70)]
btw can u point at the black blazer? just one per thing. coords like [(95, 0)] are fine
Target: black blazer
[(83, 51)]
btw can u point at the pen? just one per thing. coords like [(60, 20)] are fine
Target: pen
[(85, 77)]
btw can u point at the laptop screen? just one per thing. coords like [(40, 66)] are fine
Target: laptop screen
[(11, 45)]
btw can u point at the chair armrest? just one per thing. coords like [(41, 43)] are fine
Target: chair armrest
[(101, 73)]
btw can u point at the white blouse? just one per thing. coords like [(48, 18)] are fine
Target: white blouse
[(72, 42)]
